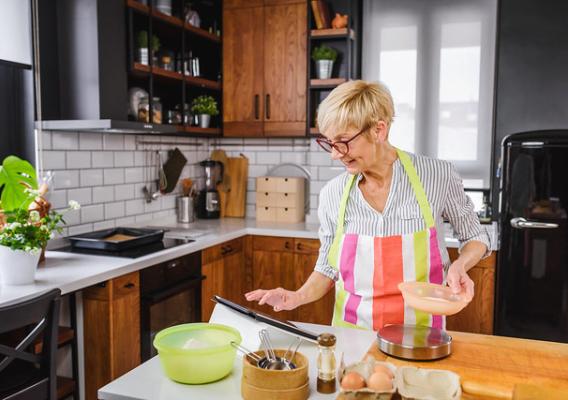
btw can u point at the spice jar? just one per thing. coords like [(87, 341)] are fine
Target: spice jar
[(144, 110), (326, 363), (156, 110)]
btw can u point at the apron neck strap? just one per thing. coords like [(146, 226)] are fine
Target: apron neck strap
[(343, 205), (417, 187)]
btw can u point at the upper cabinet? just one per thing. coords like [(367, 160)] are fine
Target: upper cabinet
[(264, 68)]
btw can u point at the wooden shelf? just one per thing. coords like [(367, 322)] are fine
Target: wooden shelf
[(157, 71), (332, 33), (65, 387), (198, 130), (326, 83), (202, 82), (65, 335), (171, 20), (141, 68)]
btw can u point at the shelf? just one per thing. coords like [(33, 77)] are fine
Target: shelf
[(202, 82), (65, 387), (198, 130), (326, 83), (157, 71), (64, 336), (332, 33), (171, 20), (141, 68)]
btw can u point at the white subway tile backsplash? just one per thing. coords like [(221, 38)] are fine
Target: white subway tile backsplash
[(45, 141), (66, 179), (64, 141), (294, 157), (268, 158), (78, 159), (103, 159), (134, 175), (103, 194), (124, 192), (257, 170), (82, 196), (319, 158), (90, 141), (91, 177), (79, 229), (53, 160), (169, 201), (123, 159), (97, 226), (57, 198), (113, 176), (113, 141), (154, 206), (72, 217), (134, 207), (129, 142), (126, 221), (114, 210), (250, 211), (144, 218), (140, 158), (92, 213), (251, 198), (328, 173)]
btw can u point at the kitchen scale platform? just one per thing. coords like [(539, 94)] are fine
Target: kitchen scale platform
[(412, 342)]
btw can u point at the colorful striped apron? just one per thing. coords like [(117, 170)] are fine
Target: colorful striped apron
[(371, 267)]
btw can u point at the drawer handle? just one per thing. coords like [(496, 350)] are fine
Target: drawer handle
[(266, 179), (266, 194), (129, 285), (299, 246), (285, 194), (285, 208), (172, 264), (266, 208), (287, 245), (285, 179), (226, 250)]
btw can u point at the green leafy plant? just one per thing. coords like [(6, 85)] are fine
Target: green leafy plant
[(16, 177), (324, 52), (143, 41), (204, 105)]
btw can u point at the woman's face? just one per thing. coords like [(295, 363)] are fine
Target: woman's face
[(362, 149)]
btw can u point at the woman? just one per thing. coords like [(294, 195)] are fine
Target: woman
[(381, 222)]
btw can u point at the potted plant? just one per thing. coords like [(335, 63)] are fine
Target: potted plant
[(143, 46), (324, 56), (26, 221), (204, 107)]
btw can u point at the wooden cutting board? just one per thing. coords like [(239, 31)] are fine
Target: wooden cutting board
[(491, 366), (236, 196)]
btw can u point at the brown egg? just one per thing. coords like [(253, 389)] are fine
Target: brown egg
[(384, 369), (352, 381), (379, 382)]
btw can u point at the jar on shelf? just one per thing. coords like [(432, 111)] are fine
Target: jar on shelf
[(326, 363), (156, 110), (144, 109)]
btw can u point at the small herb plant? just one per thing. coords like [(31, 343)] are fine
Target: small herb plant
[(204, 105), (143, 41), (324, 52)]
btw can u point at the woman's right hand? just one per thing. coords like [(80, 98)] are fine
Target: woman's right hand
[(280, 299)]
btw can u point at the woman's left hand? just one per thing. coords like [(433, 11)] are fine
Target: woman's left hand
[(459, 281)]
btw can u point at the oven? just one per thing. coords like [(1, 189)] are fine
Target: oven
[(170, 294)]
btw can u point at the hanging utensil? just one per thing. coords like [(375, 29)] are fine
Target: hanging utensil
[(162, 180)]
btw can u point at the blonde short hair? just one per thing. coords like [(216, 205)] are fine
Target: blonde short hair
[(355, 105)]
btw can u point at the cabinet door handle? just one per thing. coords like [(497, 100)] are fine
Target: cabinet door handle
[(267, 106), (299, 246), (256, 106), (172, 264), (129, 285), (287, 245)]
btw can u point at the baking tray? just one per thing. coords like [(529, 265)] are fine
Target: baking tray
[(97, 240)]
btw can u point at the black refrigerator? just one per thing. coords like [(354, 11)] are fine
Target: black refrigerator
[(531, 299)]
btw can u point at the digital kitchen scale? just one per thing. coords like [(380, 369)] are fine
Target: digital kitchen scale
[(411, 342)]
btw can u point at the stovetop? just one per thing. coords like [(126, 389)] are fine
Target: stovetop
[(134, 252)]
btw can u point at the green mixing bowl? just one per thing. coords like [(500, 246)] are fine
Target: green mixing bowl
[(197, 353)]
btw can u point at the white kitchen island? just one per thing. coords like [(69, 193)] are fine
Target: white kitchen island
[(148, 381)]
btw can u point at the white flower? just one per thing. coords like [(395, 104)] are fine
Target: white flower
[(34, 216), (15, 225), (73, 205), (31, 191)]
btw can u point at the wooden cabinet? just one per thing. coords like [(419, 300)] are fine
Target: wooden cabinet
[(477, 317), (225, 275), (111, 312), (287, 263), (264, 68)]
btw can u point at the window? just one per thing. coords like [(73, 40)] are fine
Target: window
[(437, 58)]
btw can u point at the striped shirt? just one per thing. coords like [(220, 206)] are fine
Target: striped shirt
[(401, 214)]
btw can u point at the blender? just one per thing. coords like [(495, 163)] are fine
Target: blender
[(208, 206)]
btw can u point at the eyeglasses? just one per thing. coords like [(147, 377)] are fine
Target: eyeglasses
[(341, 146)]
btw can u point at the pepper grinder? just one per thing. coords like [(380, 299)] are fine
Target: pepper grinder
[(326, 363)]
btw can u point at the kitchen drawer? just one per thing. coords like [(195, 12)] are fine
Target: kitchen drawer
[(266, 184), (265, 213), (271, 243), (307, 246), (264, 199), (288, 200), (114, 288), (290, 185), (222, 250), (289, 214)]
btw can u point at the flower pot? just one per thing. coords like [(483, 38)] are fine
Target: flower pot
[(324, 68), (204, 120), (143, 55), (18, 267)]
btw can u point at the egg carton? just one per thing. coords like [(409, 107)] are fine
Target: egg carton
[(412, 383)]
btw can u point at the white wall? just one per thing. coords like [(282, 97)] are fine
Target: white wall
[(15, 31)]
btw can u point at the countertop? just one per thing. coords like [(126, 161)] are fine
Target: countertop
[(489, 366), (71, 272)]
